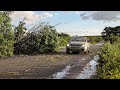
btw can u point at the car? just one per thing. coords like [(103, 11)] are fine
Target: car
[(78, 44)]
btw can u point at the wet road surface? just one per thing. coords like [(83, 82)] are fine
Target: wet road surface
[(51, 66)]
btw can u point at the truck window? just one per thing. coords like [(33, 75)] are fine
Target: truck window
[(78, 39)]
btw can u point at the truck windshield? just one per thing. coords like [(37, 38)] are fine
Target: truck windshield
[(78, 39)]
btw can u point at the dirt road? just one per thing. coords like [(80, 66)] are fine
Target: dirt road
[(46, 66)]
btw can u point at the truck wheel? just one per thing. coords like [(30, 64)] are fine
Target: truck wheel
[(78, 52), (68, 52), (73, 52), (85, 53)]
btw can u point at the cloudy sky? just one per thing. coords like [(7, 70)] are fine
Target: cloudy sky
[(71, 22)]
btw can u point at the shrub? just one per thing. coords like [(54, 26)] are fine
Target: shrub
[(109, 63), (6, 35), (94, 39), (42, 40), (63, 39)]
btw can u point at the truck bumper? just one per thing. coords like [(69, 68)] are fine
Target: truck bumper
[(75, 49)]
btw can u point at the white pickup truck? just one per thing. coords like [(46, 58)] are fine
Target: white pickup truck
[(78, 44)]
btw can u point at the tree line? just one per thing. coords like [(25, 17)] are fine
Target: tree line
[(111, 34)]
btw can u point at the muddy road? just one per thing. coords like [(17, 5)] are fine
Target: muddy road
[(47, 66)]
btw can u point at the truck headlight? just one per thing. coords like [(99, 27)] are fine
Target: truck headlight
[(83, 45), (68, 44)]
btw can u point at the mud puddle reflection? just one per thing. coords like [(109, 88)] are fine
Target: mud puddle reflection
[(63, 73), (89, 70)]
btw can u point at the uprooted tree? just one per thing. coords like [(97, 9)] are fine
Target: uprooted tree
[(19, 34), (42, 38), (20, 31)]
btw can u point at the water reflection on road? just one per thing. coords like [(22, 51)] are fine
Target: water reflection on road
[(62, 74), (86, 73), (89, 70)]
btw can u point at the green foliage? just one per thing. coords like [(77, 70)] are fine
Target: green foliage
[(110, 33), (19, 31), (94, 39), (19, 34), (114, 38), (109, 63), (63, 39), (6, 34), (42, 39)]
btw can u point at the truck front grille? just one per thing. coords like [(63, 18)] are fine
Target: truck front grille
[(75, 45)]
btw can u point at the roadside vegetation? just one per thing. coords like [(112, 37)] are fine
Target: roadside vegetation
[(94, 39), (109, 62), (42, 38), (63, 39), (6, 35)]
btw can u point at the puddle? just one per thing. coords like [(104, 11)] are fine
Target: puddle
[(62, 74), (89, 70)]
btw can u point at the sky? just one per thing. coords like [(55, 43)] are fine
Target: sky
[(82, 23)]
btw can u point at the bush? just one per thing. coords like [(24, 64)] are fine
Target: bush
[(94, 39), (109, 63), (114, 39), (6, 35), (42, 40), (63, 39)]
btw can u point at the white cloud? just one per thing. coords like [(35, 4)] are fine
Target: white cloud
[(81, 12), (77, 12), (45, 15), (30, 15), (66, 12)]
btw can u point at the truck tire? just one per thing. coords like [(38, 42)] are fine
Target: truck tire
[(85, 53), (88, 51), (78, 52), (75, 52), (67, 51)]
